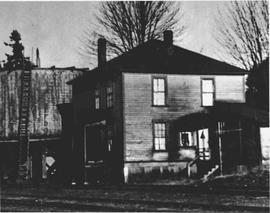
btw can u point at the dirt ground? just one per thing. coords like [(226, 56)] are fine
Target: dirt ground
[(128, 200)]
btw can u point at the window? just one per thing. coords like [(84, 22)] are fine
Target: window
[(97, 99), (159, 91), (185, 138), (110, 137), (159, 136), (109, 99), (207, 92)]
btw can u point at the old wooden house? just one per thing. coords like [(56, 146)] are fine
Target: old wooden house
[(48, 88), (152, 112)]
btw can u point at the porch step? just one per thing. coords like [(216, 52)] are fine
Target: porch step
[(212, 171)]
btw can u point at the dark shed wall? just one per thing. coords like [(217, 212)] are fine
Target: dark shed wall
[(49, 88)]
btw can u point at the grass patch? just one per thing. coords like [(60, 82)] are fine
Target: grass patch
[(257, 178)]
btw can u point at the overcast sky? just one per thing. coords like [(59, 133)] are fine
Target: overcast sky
[(55, 28)]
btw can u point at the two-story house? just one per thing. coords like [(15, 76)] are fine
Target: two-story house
[(152, 112)]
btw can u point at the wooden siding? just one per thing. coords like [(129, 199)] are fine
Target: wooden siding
[(184, 97), (49, 88), (265, 146), (230, 88)]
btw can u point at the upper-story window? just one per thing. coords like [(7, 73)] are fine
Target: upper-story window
[(109, 95), (159, 136), (159, 92), (208, 91), (97, 98)]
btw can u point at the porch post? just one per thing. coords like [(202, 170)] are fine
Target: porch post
[(84, 155), (188, 170), (219, 147), (240, 142)]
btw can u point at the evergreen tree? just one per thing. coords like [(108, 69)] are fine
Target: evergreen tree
[(17, 59), (258, 86)]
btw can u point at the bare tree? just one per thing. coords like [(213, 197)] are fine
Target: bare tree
[(242, 32), (126, 24)]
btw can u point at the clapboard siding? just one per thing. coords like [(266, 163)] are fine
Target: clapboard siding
[(230, 88), (49, 88), (184, 97)]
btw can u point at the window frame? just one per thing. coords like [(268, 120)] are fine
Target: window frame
[(165, 91), (165, 135), (97, 89), (214, 91), (109, 94), (180, 139)]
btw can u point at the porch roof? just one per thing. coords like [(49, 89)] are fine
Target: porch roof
[(194, 121), (86, 116), (244, 111), (221, 111)]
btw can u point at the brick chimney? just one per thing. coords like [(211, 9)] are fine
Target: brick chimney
[(168, 40), (37, 58), (168, 37), (101, 52)]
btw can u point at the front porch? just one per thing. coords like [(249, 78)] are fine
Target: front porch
[(217, 140), (194, 137)]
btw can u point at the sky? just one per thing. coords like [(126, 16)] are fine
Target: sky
[(55, 28)]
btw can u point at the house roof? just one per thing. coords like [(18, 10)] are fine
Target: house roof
[(156, 56)]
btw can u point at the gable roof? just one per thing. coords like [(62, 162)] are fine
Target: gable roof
[(156, 56)]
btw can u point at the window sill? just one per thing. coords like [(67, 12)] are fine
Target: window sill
[(157, 151), (159, 106), (104, 108), (187, 147)]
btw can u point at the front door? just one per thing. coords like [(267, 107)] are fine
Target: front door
[(203, 144), (94, 143), (94, 153)]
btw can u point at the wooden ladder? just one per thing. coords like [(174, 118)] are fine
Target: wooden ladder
[(23, 135)]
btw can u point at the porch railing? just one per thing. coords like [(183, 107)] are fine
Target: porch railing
[(190, 164), (204, 154)]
